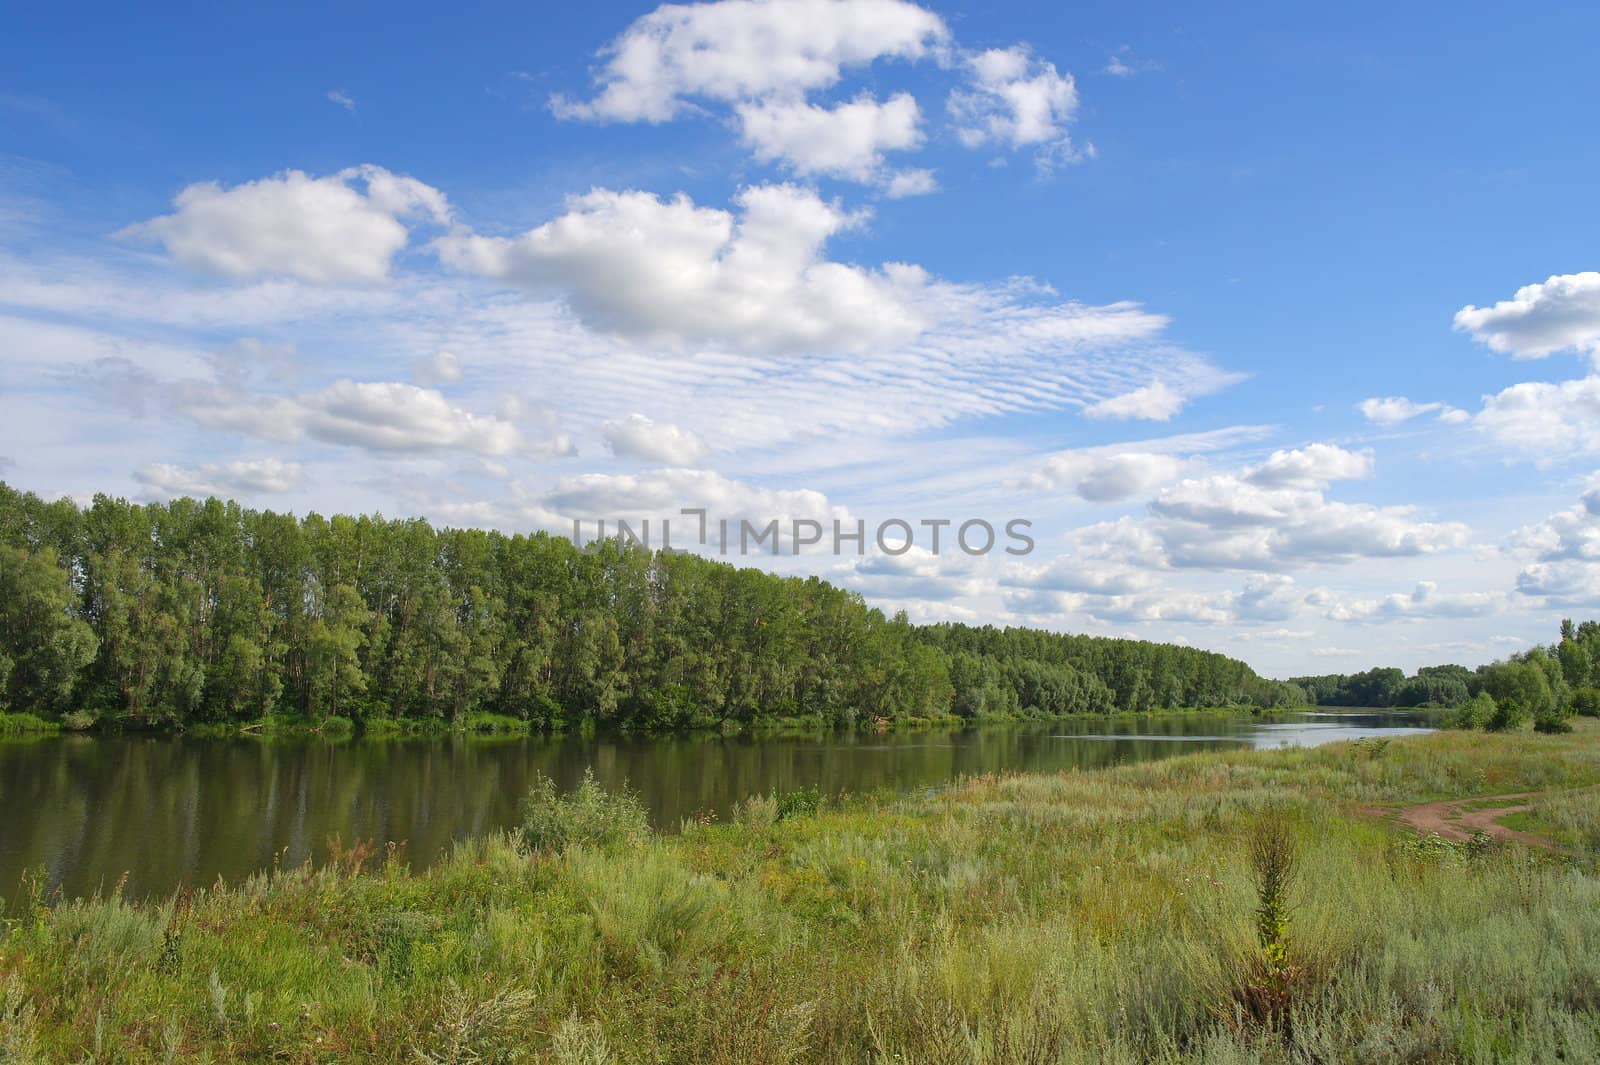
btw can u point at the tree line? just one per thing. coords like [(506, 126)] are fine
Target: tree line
[(206, 612), (1545, 683)]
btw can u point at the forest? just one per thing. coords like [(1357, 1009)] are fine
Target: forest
[(1545, 683), (192, 613)]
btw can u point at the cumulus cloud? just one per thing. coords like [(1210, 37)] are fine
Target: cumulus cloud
[(845, 141), (1225, 521), (918, 574), (1563, 555), (1270, 517), (640, 438), (1264, 598), (1392, 410), (1559, 314), (1081, 577), (1545, 420), (1115, 472), (663, 494), (1310, 467), (670, 271), (741, 50), (764, 60), (322, 230), (914, 182), (1103, 475), (379, 416), (1015, 100), (221, 479), (1154, 402), (440, 368), (1424, 601)]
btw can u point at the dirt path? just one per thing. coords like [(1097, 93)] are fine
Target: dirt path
[(1456, 819)]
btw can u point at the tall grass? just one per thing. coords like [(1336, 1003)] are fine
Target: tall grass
[(1113, 916)]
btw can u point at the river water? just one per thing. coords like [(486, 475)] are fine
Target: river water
[(167, 811)]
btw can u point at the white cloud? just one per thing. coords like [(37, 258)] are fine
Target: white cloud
[(1392, 410), (1103, 475), (669, 271), (1548, 421), (1226, 522), (342, 98), (1313, 466), (844, 141), (380, 416), (915, 182), (765, 59), (1270, 517), (985, 351), (663, 494), (1014, 100), (442, 367), (1424, 601), (638, 437), (1134, 599), (1564, 554), (741, 50), (918, 574), (1081, 576), (1559, 314), (1155, 402), (318, 230), (221, 479)]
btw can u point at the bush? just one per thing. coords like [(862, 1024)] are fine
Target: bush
[(17, 724), (1508, 714), (1475, 713), (1586, 701), (77, 721), (484, 722), (1552, 723), (802, 803), (590, 815)]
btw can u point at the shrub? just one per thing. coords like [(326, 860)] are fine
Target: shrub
[(77, 720), (803, 803), (590, 814), (1586, 701), (758, 812), (16, 724), (1552, 723), (1508, 714), (1475, 713)]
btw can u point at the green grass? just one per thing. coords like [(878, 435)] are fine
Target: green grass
[(25, 724), (1098, 916)]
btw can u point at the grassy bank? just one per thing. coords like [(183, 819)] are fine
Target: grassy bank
[(486, 724), (1124, 915), (26, 725)]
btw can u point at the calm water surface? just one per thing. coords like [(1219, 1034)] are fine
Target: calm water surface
[(174, 811)]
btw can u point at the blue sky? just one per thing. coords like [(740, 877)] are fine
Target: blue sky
[(1279, 325)]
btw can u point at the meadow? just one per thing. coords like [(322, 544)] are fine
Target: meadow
[(1219, 907)]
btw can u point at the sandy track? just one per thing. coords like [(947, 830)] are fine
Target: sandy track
[(1454, 818)]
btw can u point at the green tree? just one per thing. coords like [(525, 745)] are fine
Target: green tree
[(43, 649)]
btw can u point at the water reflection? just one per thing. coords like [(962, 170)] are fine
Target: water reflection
[(170, 811)]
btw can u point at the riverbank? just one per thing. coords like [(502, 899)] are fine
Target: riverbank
[(1107, 915), (486, 724)]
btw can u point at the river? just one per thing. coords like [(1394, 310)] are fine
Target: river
[(171, 811)]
